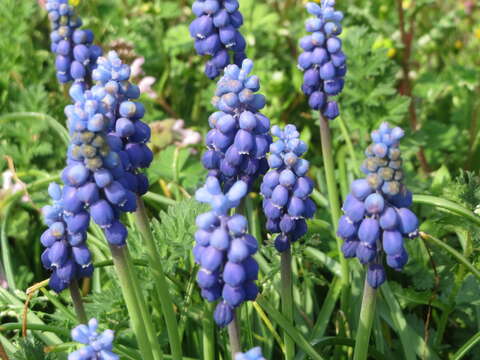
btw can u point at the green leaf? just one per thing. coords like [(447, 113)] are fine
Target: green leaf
[(291, 330), (412, 343)]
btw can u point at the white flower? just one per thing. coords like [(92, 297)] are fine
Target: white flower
[(136, 67), (145, 86)]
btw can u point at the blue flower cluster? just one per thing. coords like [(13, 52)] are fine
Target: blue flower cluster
[(94, 170), (224, 250), (106, 151), (66, 253), (286, 188), (127, 133), (252, 354), (98, 346), (323, 61), (215, 31), (76, 55), (239, 137), (377, 215)]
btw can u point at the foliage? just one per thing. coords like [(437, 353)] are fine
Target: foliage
[(433, 302)]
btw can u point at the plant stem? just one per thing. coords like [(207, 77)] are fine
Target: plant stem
[(457, 255), (287, 300), (447, 206), (333, 196), (367, 314), (78, 302), (234, 335), (146, 315), (208, 336), (160, 280), (123, 272)]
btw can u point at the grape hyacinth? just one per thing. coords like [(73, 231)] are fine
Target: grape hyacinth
[(286, 188), (215, 31), (76, 54), (323, 61), (95, 171), (238, 140), (66, 253), (252, 354), (377, 215), (224, 251), (127, 133), (97, 346)]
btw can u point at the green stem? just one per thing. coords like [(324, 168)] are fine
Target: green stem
[(333, 196), (367, 314), (291, 330), (78, 302), (34, 327), (447, 206), (123, 272), (287, 300), (160, 280), (474, 340), (157, 198), (208, 336), (6, 250), (348, 141), (234, 335), (462, 259), (146, 315)]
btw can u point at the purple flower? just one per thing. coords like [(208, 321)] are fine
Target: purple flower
[(66, 253), (224, 250), (98, 346), (238, 140), (286, 188), (323, 62), (376, 216), (252, 354), (73, 46), (216, 34)]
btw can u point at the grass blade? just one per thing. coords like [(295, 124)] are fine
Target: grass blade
[(294, 333), (474, 340), (411, 341)]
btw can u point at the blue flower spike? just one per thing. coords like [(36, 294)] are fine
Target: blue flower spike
[(224, 250), (322, 59), (286, 188), (239, 137), (76, 56), (98, 346), (216, 34), (253, 354), (377, 216), (66, 253)]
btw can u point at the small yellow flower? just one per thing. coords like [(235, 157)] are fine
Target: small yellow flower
[(406, 4), (75, 2), (477, 33), (391, 52), (458, 44)]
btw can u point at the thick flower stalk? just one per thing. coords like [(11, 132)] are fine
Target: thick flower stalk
[(215, 31), (66, 253), (376, 216), (323, 61), (224, 251), (286, 188), (252, 354), (98, 346), (238, 140), (76, 54)]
